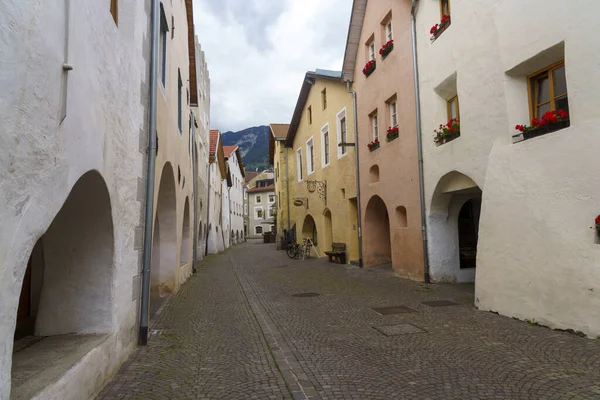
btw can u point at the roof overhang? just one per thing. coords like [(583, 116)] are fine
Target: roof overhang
[(357, 18), (192, 53)]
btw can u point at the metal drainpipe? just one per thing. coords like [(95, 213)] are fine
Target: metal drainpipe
[(419, 142), (358, 212), (148, 219), (287, 184), (195, 186), (209, 227)]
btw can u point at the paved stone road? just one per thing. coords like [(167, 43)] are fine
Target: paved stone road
[(235, 331)]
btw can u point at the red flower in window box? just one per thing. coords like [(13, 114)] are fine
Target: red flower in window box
[(386, 49), (447, 132), (437, 29), (369, 67), (551, 121), (392, 133), (597, 221), (373, 145)]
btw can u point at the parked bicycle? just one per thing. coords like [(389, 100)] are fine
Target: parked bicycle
[(300, 251)]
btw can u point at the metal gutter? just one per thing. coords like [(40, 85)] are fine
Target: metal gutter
[(358, 211), (419, 141), (148, 219)]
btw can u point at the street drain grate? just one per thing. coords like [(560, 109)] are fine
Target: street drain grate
[(400, 329), (306, 295), (393, 310), (439, 303)]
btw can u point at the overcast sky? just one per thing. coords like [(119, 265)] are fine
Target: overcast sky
[(259, 50)]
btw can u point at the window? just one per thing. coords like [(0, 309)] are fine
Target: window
[(548, 90), (271, 198), (258, 213), (179, 102), (453, 111), (162, 47), (372, 51), (375, 125), (341, 132), (324, 98), (258, 199), (309, 115), (388, 31), (114, 10), (258, 230), (273, 212), (325, 144), (299, 163), (310, 156), (444, 7), (393, 114)]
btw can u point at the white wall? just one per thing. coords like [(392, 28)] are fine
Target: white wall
[(540, 196), (41, 158), (237, 196)]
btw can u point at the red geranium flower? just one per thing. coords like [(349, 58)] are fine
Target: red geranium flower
[(445, 18), (535, 122), (433, 29), (598, 220), (562, 114)]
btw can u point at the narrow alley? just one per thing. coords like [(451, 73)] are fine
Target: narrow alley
[(254, 324)]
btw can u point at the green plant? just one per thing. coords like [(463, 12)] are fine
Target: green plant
[(449, 130)]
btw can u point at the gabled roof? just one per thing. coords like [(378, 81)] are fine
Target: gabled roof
[(278, 132), (229, 150), (214, 141), (357, 18), (192, 53), (215, 152), (309, 80), (269, 188), (250, 175)]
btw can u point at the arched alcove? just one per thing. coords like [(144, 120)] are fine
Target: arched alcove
[(374, 174), (401, 217), (185, 253), (378, 249)]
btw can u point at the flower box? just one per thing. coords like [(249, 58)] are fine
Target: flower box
[(447, 132), (374, 145), (386, 49), (438, 29), (551, 121), (597, 222), (392, 133), (369, 68)]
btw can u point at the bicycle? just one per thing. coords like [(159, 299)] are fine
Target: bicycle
[(300, 251)]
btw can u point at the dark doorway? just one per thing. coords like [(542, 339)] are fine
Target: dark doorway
[(468, 230)]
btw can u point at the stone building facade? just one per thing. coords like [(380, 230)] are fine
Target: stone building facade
[(283, 161), (235, 166)]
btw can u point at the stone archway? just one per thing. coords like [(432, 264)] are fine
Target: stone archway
[(186, 249), (164, 242), (67, 288), (453, 224), (309, 229), (327, 239), (377, 243)]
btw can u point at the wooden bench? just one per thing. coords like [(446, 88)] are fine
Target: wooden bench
[(337, 250)]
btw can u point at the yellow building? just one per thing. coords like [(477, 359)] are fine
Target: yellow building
[(324, 182), (283, 161)]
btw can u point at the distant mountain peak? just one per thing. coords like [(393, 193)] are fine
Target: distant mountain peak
[(254, 146)]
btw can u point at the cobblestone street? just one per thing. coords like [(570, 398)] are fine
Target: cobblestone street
[(235, 330)]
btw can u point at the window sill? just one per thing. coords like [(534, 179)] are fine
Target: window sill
[(542, 130), (374, 147), (447, 139), (442, 28), (389, 138)]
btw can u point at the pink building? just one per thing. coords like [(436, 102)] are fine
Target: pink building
[(378, 61)]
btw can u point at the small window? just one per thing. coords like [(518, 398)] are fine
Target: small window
[(325, 133), (309, 115), (388, 31), (393, 114), (271, 198), (258, 230), (162, 47), (444, 7), (310, 156), (548, 91), (179, 101), (453, 111), (299, 163), (273, 212), (324, 98), (258, 199), (372, 51), (375, 125), (259, 213), (114, 10), (343, 133)]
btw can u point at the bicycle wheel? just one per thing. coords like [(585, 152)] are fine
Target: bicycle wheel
[(291, 251)]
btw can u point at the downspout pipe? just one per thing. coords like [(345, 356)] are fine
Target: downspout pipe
[(358, 212), (413, 11), (209, 226), (287, 184), (195, 187), (148, 219)]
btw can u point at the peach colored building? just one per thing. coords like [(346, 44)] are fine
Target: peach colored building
[(389, 175)]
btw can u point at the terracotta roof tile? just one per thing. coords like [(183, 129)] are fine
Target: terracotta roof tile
[(214, 139), (262, 189), (229, 149), (251, 175)]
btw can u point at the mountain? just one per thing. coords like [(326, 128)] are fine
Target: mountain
[(254, 146)]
